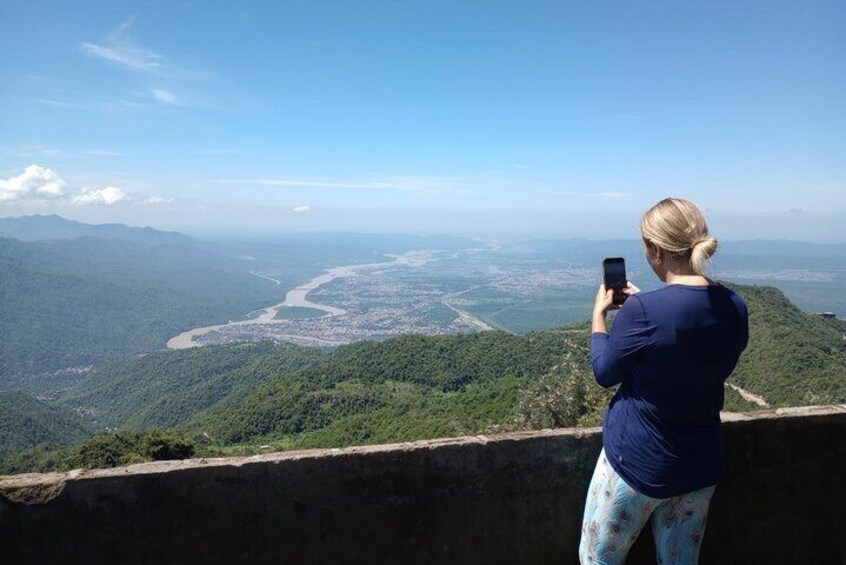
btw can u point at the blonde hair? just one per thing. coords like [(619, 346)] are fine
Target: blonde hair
[(679, 227)]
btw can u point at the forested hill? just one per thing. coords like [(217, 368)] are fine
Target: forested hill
[(793, 358), (26, 421), (44, 227), (71, 302), (404, 388), (169, 388), (230, 399)]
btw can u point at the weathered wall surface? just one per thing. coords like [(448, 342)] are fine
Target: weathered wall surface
[(512, 498)]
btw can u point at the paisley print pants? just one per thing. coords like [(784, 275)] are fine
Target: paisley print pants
[(615, 514)]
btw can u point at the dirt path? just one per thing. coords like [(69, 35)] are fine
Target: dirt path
[(749, 396)]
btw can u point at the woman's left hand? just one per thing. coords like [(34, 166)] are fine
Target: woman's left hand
[(630, 288)]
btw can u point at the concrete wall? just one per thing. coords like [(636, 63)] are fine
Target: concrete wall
[(512, 499)]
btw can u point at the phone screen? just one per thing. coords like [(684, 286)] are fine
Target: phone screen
[(615, 277)]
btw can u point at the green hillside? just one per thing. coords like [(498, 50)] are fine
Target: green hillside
[(168, 388), (231, 399), (429, 382), (793, 358), (26, 422), (89, 300)]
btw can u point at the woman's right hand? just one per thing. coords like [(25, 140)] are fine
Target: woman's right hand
[(630, 288)]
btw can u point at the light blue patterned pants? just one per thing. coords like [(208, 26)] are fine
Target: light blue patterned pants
[(615, 514)]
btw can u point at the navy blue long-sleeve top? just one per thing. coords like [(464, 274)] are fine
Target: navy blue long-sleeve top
[(670, 350)]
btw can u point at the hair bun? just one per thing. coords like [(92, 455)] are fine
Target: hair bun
[(701, 240), (701, 251)]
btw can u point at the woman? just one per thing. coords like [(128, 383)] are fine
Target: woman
[(670, 350)]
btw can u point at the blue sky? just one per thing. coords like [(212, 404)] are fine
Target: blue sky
[(525, 118)]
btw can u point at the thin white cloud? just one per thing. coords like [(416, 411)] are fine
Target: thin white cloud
[(302, 209), (217, 152), (121, 48), (419, 184), (105, 196), (104, 153), (608, 194), (34, 182), (153, 200), (104, 106), (119, 105), (302, 183), (56, 103), (166, 97), (39, 151)]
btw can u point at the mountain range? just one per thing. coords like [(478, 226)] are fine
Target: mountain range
[(86, 311)]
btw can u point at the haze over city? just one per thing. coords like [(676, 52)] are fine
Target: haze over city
[(494, 119)]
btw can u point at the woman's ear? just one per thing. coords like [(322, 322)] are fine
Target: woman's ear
[(654, 254)]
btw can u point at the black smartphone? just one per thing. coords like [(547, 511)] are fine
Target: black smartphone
[(614, 276)]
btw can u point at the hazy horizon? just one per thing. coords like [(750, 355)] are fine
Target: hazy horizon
[(744, 233)]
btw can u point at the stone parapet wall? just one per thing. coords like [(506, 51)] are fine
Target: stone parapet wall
[(511, 498)]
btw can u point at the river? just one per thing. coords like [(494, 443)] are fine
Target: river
[(299, 297)]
